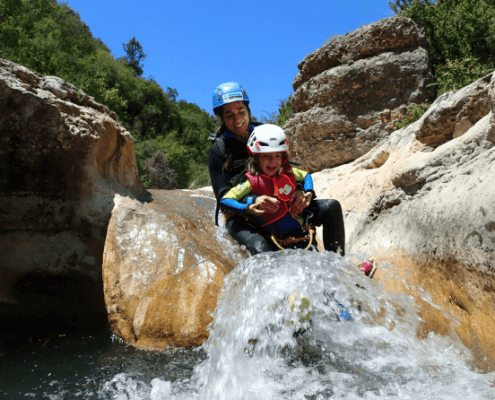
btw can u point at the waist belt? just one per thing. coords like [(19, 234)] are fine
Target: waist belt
[(280, 243)]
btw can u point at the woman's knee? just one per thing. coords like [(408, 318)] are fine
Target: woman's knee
[(327, 210)]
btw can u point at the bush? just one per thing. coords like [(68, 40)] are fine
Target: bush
[(461, 39), (284, 113), (457, 74), (457, 29), (413, 114), (51, 39)]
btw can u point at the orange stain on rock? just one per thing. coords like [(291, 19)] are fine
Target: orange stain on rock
[(467, 295)]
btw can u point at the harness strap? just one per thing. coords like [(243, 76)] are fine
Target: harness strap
[(285, 242)]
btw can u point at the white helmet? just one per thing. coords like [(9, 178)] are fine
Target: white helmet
[(267, 139)]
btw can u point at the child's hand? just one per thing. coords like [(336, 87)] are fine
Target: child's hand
[(299, 201), (263, 204)]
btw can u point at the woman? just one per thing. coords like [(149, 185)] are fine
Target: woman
[(226, 160)]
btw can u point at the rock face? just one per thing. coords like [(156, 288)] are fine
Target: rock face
[(350, 93), (163, 268), (62, 159), (427, 192)]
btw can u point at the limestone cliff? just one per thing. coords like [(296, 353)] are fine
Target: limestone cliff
[(350, 93), (63, 157), (423, 202)]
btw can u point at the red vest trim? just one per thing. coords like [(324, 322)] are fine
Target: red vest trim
[(281, 187)]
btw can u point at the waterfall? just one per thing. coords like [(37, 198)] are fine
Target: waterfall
[(288, 325)]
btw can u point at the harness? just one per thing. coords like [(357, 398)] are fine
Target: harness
[(283, 243), (281, 187)]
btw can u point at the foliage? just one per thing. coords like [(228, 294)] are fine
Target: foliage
[(413, 114), (458, 73), (461, 38), (50, 38), (457, 29), (284, 113), (399, 6), (134, 55)]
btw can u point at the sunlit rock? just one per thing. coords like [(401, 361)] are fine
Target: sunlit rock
[(388, 34), (62, 159), (426, 196), (351, 92), (163, 268)]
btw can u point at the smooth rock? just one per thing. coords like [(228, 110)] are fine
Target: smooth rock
[(163, 268), (62, 159)]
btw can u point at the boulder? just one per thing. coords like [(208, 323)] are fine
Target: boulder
[(354, 91), (163, 268), (388, 34), (63, 157), (425, 196)]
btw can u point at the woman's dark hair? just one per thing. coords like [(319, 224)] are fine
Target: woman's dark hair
[(254, 168)]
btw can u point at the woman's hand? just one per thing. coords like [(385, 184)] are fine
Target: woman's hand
[(263, 204), (299, 201)]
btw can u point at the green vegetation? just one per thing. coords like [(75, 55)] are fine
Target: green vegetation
[(399, 6), (284, 113), (413, 114), (51, 39), (461, 40), (459, 73)]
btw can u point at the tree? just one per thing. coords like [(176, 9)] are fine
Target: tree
[(172, 94), (457, 29), (134, 56), (400, 6)]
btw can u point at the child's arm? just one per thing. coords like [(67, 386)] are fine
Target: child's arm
[(306, 179), (231, 201), (254, 205)]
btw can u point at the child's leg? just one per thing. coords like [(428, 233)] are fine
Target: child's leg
[(245, 234)]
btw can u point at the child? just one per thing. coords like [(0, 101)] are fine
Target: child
[(267, 190)]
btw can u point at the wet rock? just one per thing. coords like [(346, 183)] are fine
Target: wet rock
[(62, 159), (426, 194), (343, 109), (163, 268)]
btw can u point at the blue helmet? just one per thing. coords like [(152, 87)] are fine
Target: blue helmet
[(228, 92)]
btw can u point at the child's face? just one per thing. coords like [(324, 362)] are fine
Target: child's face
[(270, 163)]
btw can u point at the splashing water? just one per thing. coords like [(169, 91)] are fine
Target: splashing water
[(259, 348), (253, 351)]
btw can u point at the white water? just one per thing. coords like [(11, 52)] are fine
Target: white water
[(252, 352), (333, 359)]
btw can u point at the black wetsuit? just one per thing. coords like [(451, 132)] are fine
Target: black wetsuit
[(325, 212)]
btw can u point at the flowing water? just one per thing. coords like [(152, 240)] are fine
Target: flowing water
[(359, 342)]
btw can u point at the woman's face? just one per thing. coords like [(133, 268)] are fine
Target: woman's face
[(236, 118), (270, 163)]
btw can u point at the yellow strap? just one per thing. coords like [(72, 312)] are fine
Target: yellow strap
[(293, 239)]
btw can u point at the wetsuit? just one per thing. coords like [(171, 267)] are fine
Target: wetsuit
[(326, 212)]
